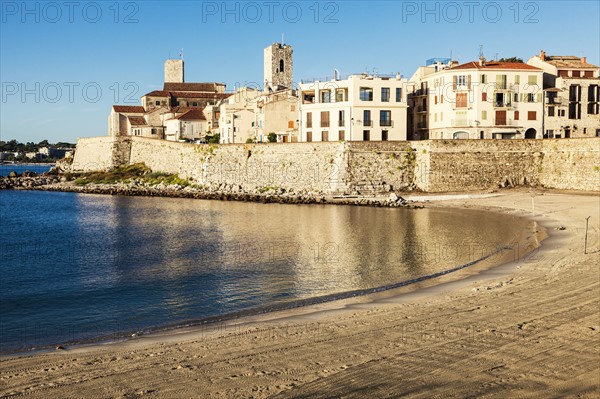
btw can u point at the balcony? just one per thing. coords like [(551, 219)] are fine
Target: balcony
[(341, 123), (421, 92), (421, 125), (502, 104), (324, 123), (386, 123), (422, 108), (368, 123), (553, 101), (461, 122), (504, 122)]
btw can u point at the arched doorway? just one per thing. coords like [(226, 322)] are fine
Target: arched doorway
[(460, 135), (530, 133)]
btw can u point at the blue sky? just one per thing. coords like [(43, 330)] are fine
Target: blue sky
[(64, 63)]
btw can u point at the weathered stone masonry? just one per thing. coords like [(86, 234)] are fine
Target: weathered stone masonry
[(359, 167)]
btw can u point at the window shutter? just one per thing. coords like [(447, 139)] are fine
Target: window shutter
[(539, 97), (469, 82), (454, 83)]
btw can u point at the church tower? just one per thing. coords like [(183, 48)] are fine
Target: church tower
[(174, 71), (278, 67)]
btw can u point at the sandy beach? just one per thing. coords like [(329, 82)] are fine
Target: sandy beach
[(528, 328)]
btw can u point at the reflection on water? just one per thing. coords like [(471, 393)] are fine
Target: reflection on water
[(77, 266)]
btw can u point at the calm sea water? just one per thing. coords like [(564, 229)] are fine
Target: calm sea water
[(5, 169), (77, 267)]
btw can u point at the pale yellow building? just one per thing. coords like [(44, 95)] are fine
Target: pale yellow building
[(477, 100)]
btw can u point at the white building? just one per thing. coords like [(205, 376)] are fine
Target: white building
[(476, 100), (359, 108), (190, 125), (237, 116)]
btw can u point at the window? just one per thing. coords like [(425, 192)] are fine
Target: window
[(367, 118), (340, 95), (461, 100), (593, 93), (385, 94), (501, 82), (398, 94), (484, 96), (341, 118), (153, 131), (384, 135), (325, 119), (342, 135), (325, 96), (483, 115), (366, 135), (530, 97), (532, 80), (576, 74), (385, 118), (366, 94), (483, 79), (574, 93), (550, 111), (574, 110), (461, 80), (516, 115), (516, 98), (292, 108), (325, 136), (517, 79), (281, 65), (561, 112), (290, 124), (308, 137), (194, 104), (435, 100), (531, 115), (309, 119)]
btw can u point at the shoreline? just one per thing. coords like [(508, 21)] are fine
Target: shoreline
[(328, 320), (456, 273)]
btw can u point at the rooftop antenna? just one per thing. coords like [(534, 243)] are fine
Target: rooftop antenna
[(282, 39), (181, 54), (496, 57), (481, 51)]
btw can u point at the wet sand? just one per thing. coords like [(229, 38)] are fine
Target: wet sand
[(529, 328)]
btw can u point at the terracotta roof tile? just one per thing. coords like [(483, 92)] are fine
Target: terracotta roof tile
[(568, 61), (132, 109), (203, 87), (495, 65), (182, 94), (137, 121), (191, 115)]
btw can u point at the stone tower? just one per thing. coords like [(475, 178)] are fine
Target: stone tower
[(278, 67), (174, 71)]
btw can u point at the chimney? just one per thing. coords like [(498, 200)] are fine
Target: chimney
[(542, 55), (481, 61), (584, 60)]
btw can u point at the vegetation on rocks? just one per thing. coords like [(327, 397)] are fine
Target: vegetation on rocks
[(126, 174)]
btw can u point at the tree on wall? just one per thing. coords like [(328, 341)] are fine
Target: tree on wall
[(511, 59)]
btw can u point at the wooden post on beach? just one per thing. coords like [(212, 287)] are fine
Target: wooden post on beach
[(587, 220), (533, 205)]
